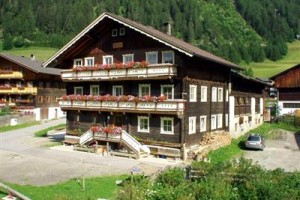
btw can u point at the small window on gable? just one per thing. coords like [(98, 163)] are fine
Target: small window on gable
[(78, 90), (192, 125), (89, 61), (220, 94), (166, 125), (203, 93), (214, 94), (202, 123), (152, 57), (108, 60), (122, 31), (167, 91), (77, 62), (143, 124), (114, 32), (193, 93), (168, 57), (127, 58), (144, 90)]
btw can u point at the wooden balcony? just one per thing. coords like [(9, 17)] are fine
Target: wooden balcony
[(11, 75), (19, 90), (158, 71), (164, 107)]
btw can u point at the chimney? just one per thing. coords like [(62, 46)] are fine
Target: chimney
[(168, 27), (32, 57)]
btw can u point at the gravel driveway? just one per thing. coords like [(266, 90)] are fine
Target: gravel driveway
[(283, 152)]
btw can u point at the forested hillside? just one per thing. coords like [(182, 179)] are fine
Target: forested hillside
[(236, 30)]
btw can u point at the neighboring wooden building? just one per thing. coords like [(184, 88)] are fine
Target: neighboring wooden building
[(148, 84), (288, 86), (28, 87)]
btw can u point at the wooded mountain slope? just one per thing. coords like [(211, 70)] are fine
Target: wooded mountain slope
[(236, 30)]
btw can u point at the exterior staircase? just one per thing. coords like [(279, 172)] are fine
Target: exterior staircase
[(86, 137)]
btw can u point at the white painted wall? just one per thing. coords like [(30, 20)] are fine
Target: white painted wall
[(284, 111), (37, 112), (52, 113)]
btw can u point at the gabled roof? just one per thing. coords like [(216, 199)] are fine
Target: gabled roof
[(285, 71), (33, 65), (253, 79), (166, 39)]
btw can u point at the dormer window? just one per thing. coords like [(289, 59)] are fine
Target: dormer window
[(114, 32), (127, 58), (89, 61), (108, 60), (168, 57), (77, 62), (151, 57)]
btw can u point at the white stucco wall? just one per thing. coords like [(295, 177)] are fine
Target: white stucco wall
[(284, 111), (55, 112)]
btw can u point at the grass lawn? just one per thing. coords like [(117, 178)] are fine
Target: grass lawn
[(233, 150), (10, 128), (43, 133), (40, 53), (269, 68), (98, 187)]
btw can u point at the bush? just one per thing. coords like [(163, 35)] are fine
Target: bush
[(18, 42)]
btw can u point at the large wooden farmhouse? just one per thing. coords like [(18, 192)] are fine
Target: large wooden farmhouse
[(288, 86), (28, 87), (129, 84)]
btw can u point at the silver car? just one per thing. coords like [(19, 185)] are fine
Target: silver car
[(255, 141)]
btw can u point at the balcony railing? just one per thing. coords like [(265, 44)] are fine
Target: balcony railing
[(18, 90), (149, 72), (168, 106), (11, 75)]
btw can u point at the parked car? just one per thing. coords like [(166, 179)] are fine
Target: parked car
[(255, 141)]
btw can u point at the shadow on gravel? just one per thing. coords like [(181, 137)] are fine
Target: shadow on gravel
[(297, 139)]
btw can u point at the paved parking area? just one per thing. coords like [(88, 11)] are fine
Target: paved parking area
[(283, 152)]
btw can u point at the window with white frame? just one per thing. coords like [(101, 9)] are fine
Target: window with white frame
[(152, 57), (167, 91), (143, 124), (168, 57), (94, 90), (193, 93), (220, 120), (227, 95), (144, 90), (203, 93), (108, 60), (192, 125), (220, 94), (89, 61), (114, 32), (78, 90), (213, 122), (214, 94), (202, 123), (167, 125), (127, 58), (77, 62), (122, 31), (117, 90)]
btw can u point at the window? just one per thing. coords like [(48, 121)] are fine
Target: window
[(122, 31), (151, 57), (77, 62), (192, 125), (203, 93), (291, 105), (143, 124), (117, 90), (108, 60), (226, 120), (213, 122), (168, 57), (48, 84), (78, 90), (89, 61), (193, 93), (114, 32), (220, 120), (41, 84), (48, 99), (202, 123), (144, 90), (227, 95), (168, 91), (77, 118), (220, 94), (166, 125), (214, 94), (29, 84), (40, 99), (128, 58), (94, 90)]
